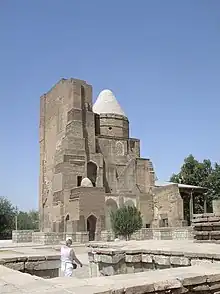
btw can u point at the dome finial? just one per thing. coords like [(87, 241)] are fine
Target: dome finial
[(107, 103)]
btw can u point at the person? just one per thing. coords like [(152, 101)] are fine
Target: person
[(68, 259)]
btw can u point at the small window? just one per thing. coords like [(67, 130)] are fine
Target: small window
[(79, 180), (110, 128), (147, 226), (83, 93), (97, 125), (164, 223), (132, 145)]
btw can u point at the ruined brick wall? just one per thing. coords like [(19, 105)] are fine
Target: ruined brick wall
[(147, 208), (67, 136), (122, 170), (145, 176), (92, 202), (168, 206), (52, 127)]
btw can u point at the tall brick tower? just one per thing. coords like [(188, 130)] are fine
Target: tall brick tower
[(67, 138)]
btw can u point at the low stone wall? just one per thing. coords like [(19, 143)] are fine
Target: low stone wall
[(108, 261), (23, 236), (182, 233), (206, 227), (79, 237), (42, 266), (47, 238), (51, 238), (189, 280), (55, 238)]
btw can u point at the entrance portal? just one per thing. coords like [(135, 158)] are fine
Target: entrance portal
[(91, 227)]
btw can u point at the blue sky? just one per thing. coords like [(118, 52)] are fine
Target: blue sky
[(160, 58)]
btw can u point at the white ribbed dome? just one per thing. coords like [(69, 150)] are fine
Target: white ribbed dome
[(107, 103), (86, 183)]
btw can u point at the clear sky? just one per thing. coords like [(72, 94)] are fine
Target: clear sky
[(160, 58)]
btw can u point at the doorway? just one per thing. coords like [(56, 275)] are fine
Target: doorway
[(66, 224), (91, 227)]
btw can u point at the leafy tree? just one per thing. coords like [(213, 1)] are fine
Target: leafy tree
[(193, 172), (25, 220), (214, 182), (7, 215), (201, 174), (28, 220), (125, 221)]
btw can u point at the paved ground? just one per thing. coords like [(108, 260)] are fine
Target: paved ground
[(12, 283), (82, 255), (9, 244), (186, 246), (171, 280), (5, 243), (8, 249)]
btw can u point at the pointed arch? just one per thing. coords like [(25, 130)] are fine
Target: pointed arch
[(91, 226), (67, 222), (129, 203), (92, 172), (119, 148)]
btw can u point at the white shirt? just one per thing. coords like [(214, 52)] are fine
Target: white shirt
[(66, 254)]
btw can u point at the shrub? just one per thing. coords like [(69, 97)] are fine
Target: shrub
[(126, 221)]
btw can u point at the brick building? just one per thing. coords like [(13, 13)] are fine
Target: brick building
[(88, 163)]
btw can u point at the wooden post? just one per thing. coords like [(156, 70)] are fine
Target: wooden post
[(205, 203), (191, 204)]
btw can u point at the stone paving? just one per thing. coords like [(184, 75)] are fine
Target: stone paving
[(16, 283), (175, 280), (10, 250), (9, 244), (186, 246)]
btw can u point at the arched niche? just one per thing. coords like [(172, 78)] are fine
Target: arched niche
[(67, 223), (111, 206), (92, 172), (119, 148), (83, 93), (91, 227)]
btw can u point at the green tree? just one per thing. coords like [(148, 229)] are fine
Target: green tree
[(28, 220), (201, 174), (7, 215), (193, 172), (126, 221), (214, 182)]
